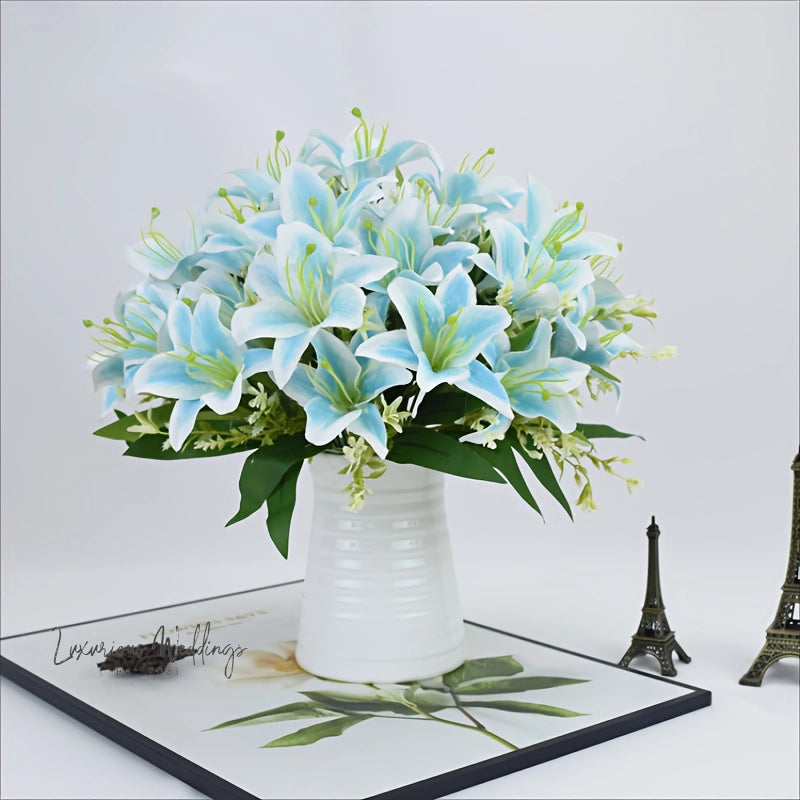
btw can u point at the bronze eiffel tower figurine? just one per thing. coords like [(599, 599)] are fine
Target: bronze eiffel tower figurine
[(783, 636), (654, 636)]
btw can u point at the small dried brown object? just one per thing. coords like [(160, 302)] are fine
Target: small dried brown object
[(144, 659)]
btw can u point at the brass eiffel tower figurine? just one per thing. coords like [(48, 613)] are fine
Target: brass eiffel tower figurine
[(654, 636), (783, 636)]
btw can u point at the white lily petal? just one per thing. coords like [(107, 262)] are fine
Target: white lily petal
[(300, 386), (335, 357), (305, 197), (263, 278), (271, 318), (371, 427), (428, 379), (482, 383), (257, 359), (393, 347), (346, 308), (223, 401), (421, 311), (456, 292), (166, 376), (324, 422), (287, 353), (540, 208), (181, 421), (179, 325)]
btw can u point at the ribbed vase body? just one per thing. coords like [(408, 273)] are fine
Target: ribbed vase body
[(380, 603)]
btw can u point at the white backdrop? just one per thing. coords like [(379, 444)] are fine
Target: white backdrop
[(677, 125)]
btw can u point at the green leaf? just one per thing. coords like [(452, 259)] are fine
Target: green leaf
[(503, 460), (428, 448), (119, 428), (322, 730), (607, 375), (444, 407), (517, 684), (152, 446), (280, 507), (523, 338), (351, 704), (429, 701), (541, 468), (475, 668), (604, 432), (259, 476), (279, 714), (236, 417), (430, 705), (523, 708), (263, 470)]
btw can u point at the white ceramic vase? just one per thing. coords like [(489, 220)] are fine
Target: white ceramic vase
[(380, 602)]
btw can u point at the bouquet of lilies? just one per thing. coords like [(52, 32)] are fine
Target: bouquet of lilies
[(363, 299)]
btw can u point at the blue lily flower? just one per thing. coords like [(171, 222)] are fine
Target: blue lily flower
[(308, 284), (406, 236), (137, 334), (493, 192), (205, 367), (580, 344), (305, 197), (614, 337), (537, 385), (561, 231), (260, 188), (161, 260), (443, 336), (231, 244), (595, 342), (532, 282), (364, 155), (108, 377), (338, 395), (261, 184), (216, 281), (458, 202)]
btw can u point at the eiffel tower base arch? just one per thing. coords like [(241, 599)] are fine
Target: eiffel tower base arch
[(780, 644), (661, 649)]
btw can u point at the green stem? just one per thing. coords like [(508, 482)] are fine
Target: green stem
[(465, 712), (424, 717), (494, 736), (480, 728)]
